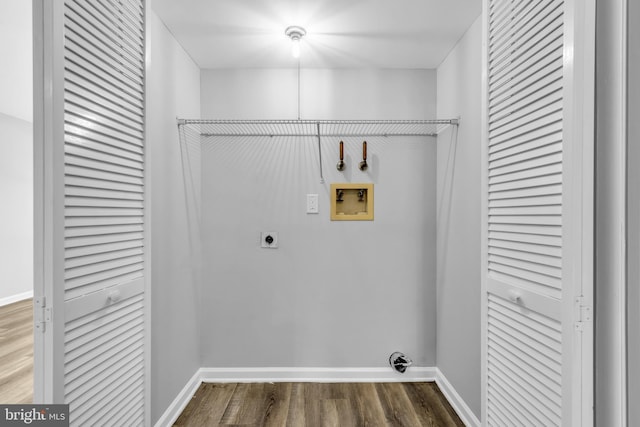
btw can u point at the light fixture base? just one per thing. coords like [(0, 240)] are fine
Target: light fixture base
[(295, 32)]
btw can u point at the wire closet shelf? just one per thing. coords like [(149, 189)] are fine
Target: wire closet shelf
[(317, 128)]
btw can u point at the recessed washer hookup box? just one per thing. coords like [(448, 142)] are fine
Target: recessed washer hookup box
[(352, 202)]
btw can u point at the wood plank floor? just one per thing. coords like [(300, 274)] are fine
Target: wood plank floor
[(319, 404), (16, 352)]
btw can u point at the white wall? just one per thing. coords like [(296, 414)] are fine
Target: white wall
[(173, 87), (16, 151), (334, 294), (16, 208), (324, 94), (633, 212), (16, 51), (610, 393), (459, 94)]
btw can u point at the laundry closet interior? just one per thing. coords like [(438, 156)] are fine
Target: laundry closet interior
[(334, 299), (226, 212)]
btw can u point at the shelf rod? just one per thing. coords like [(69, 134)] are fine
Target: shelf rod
[(313, 135)]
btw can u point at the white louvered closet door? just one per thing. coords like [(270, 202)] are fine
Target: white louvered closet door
[(537, 260), (94, 254)]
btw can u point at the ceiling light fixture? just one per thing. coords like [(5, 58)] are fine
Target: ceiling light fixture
[(295, 33)]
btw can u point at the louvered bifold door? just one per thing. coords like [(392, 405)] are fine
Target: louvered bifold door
[(97, 77), (536, 207), (104, 363)]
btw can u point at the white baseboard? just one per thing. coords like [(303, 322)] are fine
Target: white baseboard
[(325, 375), (455, 400), (232, 375), (15, 298), (181, 401)]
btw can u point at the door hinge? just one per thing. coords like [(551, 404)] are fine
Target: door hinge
[(42, 313), (584, 313)]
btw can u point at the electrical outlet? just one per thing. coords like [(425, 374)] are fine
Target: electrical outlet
[(312, 203), (269, 239)]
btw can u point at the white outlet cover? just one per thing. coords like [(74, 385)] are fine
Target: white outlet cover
[(264, 237), (312, 203)]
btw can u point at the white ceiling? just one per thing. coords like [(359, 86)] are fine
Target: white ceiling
[(340, 33)]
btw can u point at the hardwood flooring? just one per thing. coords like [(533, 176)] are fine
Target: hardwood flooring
[(319, 404), (16, 352), (239, 404)]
